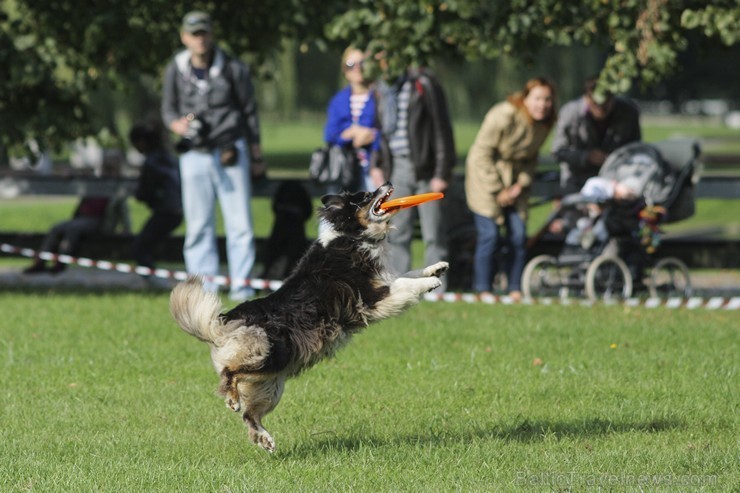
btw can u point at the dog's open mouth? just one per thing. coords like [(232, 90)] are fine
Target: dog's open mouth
[(377, 209)]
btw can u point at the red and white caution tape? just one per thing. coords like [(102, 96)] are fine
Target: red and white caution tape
[(140, 270), (713, 303)]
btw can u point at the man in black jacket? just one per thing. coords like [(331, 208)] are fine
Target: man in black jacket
[(417, 156), (588, 130)]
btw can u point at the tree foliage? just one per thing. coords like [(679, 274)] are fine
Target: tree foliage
[(641, 37), (58, 53)]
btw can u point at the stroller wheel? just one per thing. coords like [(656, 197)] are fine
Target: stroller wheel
[(541, 278), (669, 279), (608, 279)]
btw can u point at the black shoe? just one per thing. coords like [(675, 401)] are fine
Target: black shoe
[(58, 268), (36, 268)]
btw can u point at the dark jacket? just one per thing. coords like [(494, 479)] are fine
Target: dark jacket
[(430, 134), (576, 135), (159, 183), (224, 102)]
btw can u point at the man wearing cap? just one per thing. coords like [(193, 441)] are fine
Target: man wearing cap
[(588, 130), (208, 101)]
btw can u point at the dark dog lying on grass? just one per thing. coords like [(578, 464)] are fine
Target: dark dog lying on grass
[(338, 288)]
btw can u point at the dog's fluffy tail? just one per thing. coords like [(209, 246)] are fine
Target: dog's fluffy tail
[(197, 311)]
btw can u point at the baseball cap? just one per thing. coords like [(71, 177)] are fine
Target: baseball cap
[(196, 21)]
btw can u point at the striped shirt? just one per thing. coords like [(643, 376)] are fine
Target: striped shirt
[(357, 103), (399, 141)]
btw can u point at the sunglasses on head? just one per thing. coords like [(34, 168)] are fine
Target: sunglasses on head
[(350, 64)]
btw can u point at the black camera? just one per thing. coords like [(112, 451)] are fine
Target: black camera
[(195, 135)]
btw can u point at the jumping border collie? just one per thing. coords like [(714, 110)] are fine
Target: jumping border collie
[(339, 287)]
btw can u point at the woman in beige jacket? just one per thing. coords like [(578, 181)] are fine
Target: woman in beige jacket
[(499, 172)]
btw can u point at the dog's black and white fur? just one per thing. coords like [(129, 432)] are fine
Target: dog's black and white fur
[(338, 288)]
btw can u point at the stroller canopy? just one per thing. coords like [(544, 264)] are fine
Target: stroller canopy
[(662, 172)]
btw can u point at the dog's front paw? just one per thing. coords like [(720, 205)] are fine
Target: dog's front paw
[(432, 284), (436, 270)]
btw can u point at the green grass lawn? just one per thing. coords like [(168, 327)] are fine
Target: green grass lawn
[(102, 392)]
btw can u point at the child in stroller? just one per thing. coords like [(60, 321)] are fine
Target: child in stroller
[(612, 226), (602, 207), (601, 221)]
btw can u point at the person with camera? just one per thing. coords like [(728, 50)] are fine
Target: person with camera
[(208, 100)]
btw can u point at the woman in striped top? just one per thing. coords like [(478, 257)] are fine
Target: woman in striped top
[(351, 116)]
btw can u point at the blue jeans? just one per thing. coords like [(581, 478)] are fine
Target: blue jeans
[(205, 179), (489, 234)]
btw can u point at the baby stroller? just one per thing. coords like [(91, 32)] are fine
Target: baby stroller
[(611, 242)]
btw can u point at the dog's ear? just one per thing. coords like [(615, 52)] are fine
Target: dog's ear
[(332, 201)]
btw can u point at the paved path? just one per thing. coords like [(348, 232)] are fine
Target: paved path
[(82, 278)]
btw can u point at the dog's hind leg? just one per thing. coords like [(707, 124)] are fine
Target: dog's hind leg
[(259, 398), (228, 388)]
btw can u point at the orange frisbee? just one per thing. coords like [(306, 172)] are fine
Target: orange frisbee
[(411, 200)]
